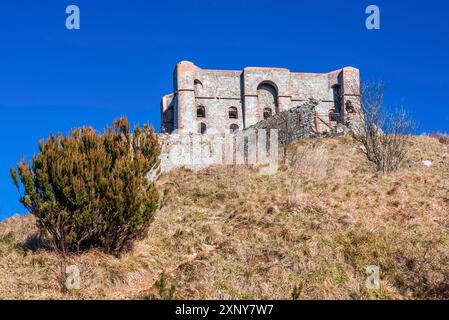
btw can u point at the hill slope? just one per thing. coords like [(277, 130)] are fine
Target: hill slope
[(310, 230)]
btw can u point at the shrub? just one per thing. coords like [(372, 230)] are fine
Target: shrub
[(166, 286), (91, 190), (383, 134)]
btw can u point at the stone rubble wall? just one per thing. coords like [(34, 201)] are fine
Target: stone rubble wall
[(292, 125)]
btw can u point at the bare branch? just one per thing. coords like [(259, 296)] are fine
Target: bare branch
[(383, 134)]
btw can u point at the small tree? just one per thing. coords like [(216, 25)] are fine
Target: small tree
[(91, 190), (384, 134)]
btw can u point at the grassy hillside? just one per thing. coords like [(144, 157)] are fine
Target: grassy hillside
[(307, 232)]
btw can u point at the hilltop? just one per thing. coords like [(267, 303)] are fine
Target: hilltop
[(307, 232)]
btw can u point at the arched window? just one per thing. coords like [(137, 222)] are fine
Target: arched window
[(267, 113), (267, 98), (202, 128), (349, 107), (197, 85), (233, 128), (233, 114), (333, 115), (200, 112)]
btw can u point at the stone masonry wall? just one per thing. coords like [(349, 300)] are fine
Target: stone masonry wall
[(297, 105), (219, 90), (196, 151)]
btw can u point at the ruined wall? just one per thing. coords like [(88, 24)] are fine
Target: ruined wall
[(292, 125)]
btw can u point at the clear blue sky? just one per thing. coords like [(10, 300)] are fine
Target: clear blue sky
[(121, 60)]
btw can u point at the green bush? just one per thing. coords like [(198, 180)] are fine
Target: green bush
[(89, 189)]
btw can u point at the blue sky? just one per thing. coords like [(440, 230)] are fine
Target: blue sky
[(121, 60)]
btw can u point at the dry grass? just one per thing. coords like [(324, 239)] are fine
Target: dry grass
[(233, 234), (442, 137)]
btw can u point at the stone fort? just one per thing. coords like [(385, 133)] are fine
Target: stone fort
[(224, 101), (213, 111)]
